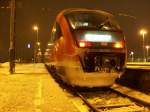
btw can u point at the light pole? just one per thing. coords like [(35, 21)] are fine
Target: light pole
[(132, 56), (36, 28), (37, 43), (147, 53), (143, 32), (12, 37)]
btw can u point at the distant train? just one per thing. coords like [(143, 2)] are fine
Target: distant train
[(89, 47)]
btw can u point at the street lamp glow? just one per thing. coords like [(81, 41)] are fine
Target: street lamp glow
[(147, 51), (132, 56), (143, 32), (147, 47), (39, 49), (35, 28), (38, 43), (132, 52)]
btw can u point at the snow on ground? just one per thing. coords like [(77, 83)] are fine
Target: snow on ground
[(31, 89)]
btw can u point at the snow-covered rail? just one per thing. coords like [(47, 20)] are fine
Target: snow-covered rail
[(114, 99), (107, 100)]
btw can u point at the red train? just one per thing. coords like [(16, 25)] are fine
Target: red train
[(89, 47)]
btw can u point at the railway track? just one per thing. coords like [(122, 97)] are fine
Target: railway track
[(113, 99), (107, 100)]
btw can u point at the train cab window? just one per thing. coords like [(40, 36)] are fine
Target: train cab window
[(56, 32), (92, 20)]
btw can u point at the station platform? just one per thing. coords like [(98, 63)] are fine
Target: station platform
[(138, 65), (31, 89)]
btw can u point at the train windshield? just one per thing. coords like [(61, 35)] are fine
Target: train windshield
[(92, 20)]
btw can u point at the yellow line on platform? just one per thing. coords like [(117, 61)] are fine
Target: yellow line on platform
[(38, 97)]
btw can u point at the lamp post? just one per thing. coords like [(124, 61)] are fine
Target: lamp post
[(143, 32), (132, 56), (147, 53), (12, 37), (37, 43), (36, 28)]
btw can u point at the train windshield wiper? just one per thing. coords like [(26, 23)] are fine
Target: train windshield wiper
[(107, 20)]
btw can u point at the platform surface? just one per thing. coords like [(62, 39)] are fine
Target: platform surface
[(31, 89)]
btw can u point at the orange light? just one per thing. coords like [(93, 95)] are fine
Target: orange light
[(118, 45), (35, 28), (82, 44)]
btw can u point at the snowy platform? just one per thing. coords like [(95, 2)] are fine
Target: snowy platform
[(138, 65), (31, 89)]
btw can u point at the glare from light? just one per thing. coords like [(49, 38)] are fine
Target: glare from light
[(35, 28), (132, 53), (82, 44), (38, 43), (29, 45), (118, 45), (147, 47), (143, 32), (98, 38)]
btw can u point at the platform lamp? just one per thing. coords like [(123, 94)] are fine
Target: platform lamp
[(143, 32)]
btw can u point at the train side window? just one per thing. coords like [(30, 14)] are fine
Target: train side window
[(53, 33), (56, 32)]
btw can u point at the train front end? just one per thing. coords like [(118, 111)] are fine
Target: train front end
[(100, 48)]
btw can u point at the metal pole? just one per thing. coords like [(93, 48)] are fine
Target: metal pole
[(143, 49), (37, 43), (147, 53), (132, 57), (37, 38), (12, 38)]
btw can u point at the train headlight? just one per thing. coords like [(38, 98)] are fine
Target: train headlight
[(82, 44), (119, 45)]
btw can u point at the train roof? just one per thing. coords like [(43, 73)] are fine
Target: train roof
[(71, 10)]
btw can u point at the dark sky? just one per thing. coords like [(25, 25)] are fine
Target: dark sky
[(43, 12)]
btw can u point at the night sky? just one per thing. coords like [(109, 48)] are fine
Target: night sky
[(43, 13)]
